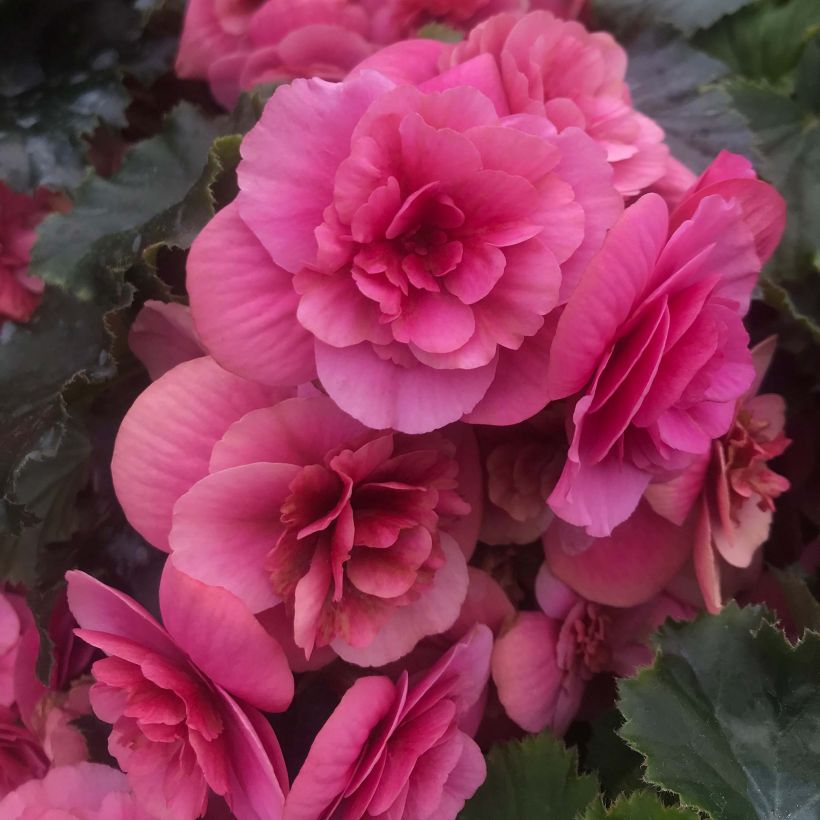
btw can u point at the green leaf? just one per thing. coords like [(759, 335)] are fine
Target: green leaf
[(529, 780), (685, 15), (765, 40), (59, 79), (676, 85), (161, 194), (787, 146), (728, 717), (804, 608), (619, 768), (807, 81), (639, 806), (439, 31)]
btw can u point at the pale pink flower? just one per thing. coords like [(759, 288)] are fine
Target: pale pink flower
[(84, 791), (553, 68), (19, 216), (237, 44), (731, 489), (163, 336), (543, 660), (407, 245), (184, 699), (398, 749), (522, 465), (362, 535), (652, 341)]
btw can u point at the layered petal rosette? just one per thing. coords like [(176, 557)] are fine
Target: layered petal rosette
[(554, 68), (84, 791), (543, 661), (362, 535), (407, 244), (399, 749), (732, 490), (652, 341), (184, 699), (237, 44)]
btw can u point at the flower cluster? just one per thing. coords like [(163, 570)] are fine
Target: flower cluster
[(448, 319)]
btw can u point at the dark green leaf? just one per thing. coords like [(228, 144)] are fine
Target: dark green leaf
[(639, 806), (804, 608), (765, 40), (619, 768), (59, 78), (787, 145), (807, 82), (529, 780), (677, 86), (728, 717), (160, 195), (685, 15)]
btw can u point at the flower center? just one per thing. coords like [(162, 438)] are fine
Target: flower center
[(747, 448)]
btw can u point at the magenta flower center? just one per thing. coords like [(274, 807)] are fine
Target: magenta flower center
[(361, 533), (747, 448), (583, 645)]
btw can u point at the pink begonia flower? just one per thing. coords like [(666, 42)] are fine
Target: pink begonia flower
[(405, 244), (522, 465), (398, 749), (543, 661), (731, 488), (163, 336), (628, 567), (15, 620), (184, 699), (363, 535), (19, 216), (84, 791), (237, 44), (21, 754), (652, 340), (37, 730), (553, 68)]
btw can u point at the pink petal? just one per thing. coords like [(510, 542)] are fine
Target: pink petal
[(674, 499), (331, 762), (163, 336), (520, 388), (221, 636), (257, 777), (297, 431), (764, 210), (480, 72), (606, 295), (599, 496), (486, 603), (627, 568), (407, 62), (435, 611), (749, 533), (225, 526), (290, 158), (707, 569), (165, 441), (100, 608), (244, 305), (410, 399), (526, 673)]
